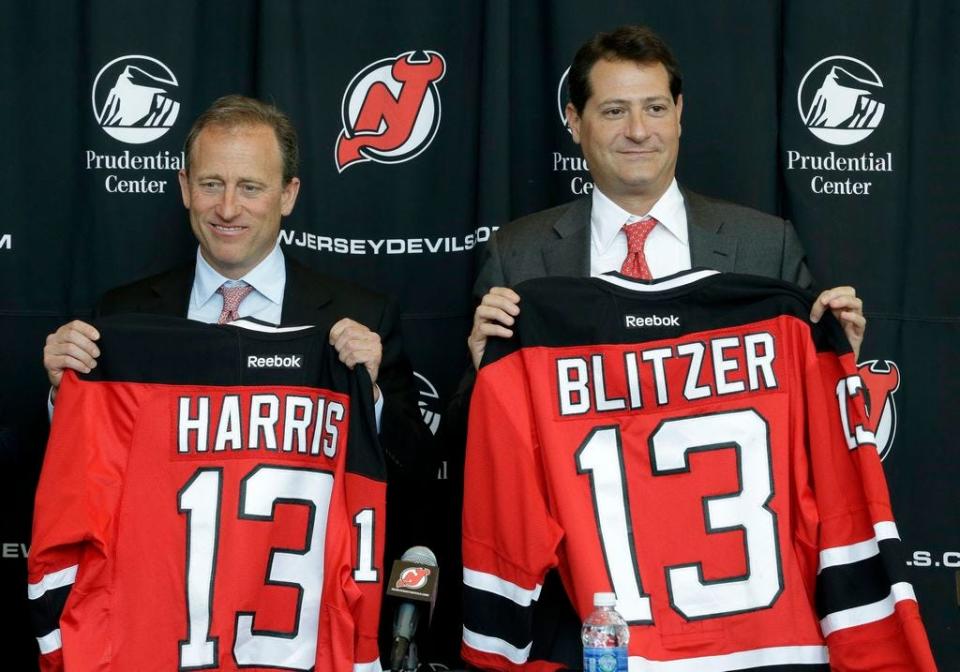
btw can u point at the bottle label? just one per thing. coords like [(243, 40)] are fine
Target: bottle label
[(605, 660)]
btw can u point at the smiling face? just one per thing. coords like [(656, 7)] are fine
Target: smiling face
[(629, 131), (236, 196)]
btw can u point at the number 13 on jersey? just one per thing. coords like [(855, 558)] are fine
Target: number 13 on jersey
[(601, 458), (298, 569)]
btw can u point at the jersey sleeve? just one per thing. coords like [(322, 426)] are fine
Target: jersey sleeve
[(510, 538), (868, 611), (365, 499), (73, 525), (365, 483)]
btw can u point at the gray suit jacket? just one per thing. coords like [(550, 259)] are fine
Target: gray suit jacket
[(723, 236)]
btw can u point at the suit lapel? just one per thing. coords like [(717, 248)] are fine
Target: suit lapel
[(170, 293), (569, 254), (709, 246), (303, 298)]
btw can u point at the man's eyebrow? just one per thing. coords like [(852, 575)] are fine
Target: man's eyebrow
[(217, 176), (627, 101)]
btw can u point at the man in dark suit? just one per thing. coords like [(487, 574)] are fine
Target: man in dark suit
[(624, 112), (239, 180)]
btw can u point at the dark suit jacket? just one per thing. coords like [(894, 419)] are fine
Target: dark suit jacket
[(723, 236), (316, 299)]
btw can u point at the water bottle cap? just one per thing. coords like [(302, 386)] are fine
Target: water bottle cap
[(604, 599)]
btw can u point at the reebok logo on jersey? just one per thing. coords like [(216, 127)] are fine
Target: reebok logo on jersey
[(640, 321), (274, 362)]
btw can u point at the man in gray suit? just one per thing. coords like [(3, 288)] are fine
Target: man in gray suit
[(624, 112)]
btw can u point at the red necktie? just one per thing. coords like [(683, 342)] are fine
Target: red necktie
[(232, 296), (635, 265)]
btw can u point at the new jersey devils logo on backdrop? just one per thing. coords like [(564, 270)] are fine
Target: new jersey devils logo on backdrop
[(391, 109), (882, 380)]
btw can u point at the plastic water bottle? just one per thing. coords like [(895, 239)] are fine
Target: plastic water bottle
[(605, 635)]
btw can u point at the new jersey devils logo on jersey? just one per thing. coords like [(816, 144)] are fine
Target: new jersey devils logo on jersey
[(391, 109), (413, 578), (882, 379)]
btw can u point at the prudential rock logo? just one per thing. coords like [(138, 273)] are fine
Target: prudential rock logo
[(840, 100), (135, 99)]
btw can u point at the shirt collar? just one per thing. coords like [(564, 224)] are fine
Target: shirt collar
[(607, 218), (268, 277)]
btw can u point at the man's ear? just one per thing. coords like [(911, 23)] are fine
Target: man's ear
[(184, 187), (288, 197), (679, 112)]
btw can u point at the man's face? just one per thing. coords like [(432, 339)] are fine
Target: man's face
[(235, 195), (629, 131)]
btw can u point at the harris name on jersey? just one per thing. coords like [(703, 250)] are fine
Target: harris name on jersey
[(259, 419)]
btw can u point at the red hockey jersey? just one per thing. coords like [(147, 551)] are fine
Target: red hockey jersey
[(211, 498), (699, 448)]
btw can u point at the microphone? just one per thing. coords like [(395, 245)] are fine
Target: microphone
[(414, 577)]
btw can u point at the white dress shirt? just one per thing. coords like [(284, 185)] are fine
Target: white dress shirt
[(268, 279), (667, 248)]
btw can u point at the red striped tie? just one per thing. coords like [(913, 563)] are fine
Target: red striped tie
[(635, 265)]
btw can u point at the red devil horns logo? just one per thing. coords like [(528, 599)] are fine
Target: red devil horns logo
[(391, 109), (882, 380), (413, 577)]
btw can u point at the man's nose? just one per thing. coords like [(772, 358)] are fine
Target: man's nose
[(636, 126), (228, 207)]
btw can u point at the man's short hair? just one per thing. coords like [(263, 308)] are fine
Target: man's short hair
[(626, 43), (236, 110)]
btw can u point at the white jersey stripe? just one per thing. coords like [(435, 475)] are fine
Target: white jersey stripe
[(265, 328), (886, 530), (64, 577), (496, 645), (903, 591), (845, 555), (671, 282), (50, 642), (372, 666), (494, 584), (868, 613), (741, 660)]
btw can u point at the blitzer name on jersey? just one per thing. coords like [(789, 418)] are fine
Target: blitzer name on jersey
[(304, 424), (605, 382)]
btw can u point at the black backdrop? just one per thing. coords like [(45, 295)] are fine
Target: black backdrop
[(488, 145)]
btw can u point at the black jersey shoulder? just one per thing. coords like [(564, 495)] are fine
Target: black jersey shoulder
[(172, 350), (562, 312), (166, 350)]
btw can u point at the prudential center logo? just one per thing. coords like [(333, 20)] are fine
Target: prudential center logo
[(134, 99), (840, 100)]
